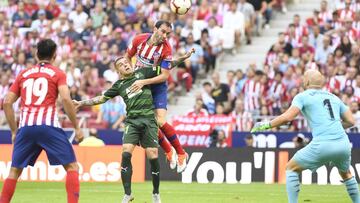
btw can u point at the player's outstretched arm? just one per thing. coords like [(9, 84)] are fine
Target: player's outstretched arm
[(9, 100), (286, 117), (91, 102), (181, 59)]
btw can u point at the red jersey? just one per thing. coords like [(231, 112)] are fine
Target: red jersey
[(148, 55), (37, 88)]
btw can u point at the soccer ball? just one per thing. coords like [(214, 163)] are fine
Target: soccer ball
[(180, 7)]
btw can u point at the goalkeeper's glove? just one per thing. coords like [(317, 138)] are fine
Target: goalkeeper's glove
[(260, 126)]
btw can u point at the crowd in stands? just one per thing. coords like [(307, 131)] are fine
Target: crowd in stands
[(90, 34), (329, 41)]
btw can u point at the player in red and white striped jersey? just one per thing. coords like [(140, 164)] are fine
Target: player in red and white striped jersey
[(276, 94), (39, 129), (346, 12), (253, 90), (242, 120), (198, 110), (153, 51), (39, 89)]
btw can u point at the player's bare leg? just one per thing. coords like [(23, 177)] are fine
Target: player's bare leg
[(170, 152), (293, 170), (152, 155), (72, 182), (126, 171), (351, 186), (10, 185), (170, 134)]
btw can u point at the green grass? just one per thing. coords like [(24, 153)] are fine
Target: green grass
[(176, 192)]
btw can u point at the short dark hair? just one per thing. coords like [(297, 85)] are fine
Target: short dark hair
[(206, 83), (46, 49), (161, 22), (259, 73)]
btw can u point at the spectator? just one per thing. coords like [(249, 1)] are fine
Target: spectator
[(92, 140), (53, 8), (276, 94), (74, 93), (241, 79), (249, 14), (220, 110), (242, 120), (4, 88), (62, 23), (322, 52), (215, 39), (221, 139), (300, 141), (20, 17), (354, 107), (184, 79), (306, 48), (73, 74), (252, 92), (346, 12), (112, 112), (316, 38), (19, 65), (221, 91), (202, 11), (79, 17), (198, 110), (249, 141), (207, 98), (98, 15), (209, 56), (234, 21), (231, 82), (118, 40), (71, 33), (103, 60), (197, 59), (325, 14)]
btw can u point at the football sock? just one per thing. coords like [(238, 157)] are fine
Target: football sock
[(165, 145), (352, 189), (72, 186), (292, 186), (155, 173), (170, 134), (8, 190), (126, 172)]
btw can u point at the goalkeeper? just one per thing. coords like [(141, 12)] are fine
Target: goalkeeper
[(327, 116)]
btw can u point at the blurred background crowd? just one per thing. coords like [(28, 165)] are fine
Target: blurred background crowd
[(328, 40), (91, 33)]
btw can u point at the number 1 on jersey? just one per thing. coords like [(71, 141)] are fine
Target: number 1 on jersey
[(37, 87), (327, 103)]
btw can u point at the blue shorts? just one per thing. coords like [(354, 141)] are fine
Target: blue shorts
[(31, 140), (337, 152), (159, 94)]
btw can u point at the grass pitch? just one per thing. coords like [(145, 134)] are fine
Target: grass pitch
[(176, 192)]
